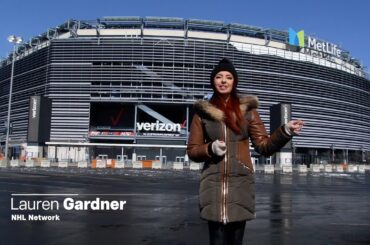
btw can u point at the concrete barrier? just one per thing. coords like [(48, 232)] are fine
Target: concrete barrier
[(302, 169), (361, 169), (119, 164), (137, 164), (101, 163), (328, 168), (352, 168), (14, 163), (156, 165), (178, 165), (45, 164), (339, 169), (194, 166), (287, 169), (82, 164), (315, 168), (30, 163), (110, 163), (367, 170), (62, 164), (269, 169)]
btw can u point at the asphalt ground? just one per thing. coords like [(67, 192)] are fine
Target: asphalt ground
[(162, 207)]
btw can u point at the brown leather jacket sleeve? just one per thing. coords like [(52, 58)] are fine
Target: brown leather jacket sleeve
[(263, 143), (197, 148)]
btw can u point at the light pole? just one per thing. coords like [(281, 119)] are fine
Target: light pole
[(15, 40)]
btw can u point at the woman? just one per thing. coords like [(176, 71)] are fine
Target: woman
[(219, 137)]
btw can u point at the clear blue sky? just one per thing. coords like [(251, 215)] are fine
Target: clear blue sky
[(342, 22)]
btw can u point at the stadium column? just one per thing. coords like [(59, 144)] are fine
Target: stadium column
[(38, 132), (279, 115), (135, 130)]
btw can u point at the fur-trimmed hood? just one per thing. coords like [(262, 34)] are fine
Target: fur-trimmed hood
[(205, 108)]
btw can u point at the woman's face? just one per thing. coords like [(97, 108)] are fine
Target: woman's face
[(223, 82)]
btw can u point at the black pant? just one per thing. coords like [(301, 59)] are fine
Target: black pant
[(229, 234)]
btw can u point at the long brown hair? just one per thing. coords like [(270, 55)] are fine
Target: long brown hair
[(231, 108)]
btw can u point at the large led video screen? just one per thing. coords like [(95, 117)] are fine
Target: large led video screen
[(112, 116)]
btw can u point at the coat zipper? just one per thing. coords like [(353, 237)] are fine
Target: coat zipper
[(225, 184)]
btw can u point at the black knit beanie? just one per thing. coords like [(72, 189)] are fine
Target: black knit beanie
[(225, 65)]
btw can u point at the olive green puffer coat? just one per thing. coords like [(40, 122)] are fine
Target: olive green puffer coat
[(227, 192)]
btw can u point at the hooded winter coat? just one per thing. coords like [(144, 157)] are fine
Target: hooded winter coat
[(227, 190)]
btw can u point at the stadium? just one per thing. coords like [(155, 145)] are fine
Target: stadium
[(123, 88)]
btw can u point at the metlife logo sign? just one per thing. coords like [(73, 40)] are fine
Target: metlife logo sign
[(298, 39)]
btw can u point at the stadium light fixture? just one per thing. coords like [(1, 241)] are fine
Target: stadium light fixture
[(15, 40)]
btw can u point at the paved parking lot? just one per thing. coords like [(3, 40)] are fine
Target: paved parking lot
[(162, 207)]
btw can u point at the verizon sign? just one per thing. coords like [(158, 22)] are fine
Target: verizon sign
[(159, 127), (39, 120), (34, 107), (286, 116)]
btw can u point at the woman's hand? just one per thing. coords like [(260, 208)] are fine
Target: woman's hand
[(294, 127), (219, 148)]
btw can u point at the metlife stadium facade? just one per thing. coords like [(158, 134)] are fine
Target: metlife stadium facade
[(124, 87)]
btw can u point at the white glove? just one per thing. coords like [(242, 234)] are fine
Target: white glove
[(219, 148), (287, 130)]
